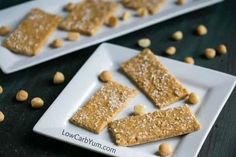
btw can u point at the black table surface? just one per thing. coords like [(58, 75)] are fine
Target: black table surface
[(16, 135)]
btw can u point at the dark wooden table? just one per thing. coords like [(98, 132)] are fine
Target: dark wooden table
[(16, 135)]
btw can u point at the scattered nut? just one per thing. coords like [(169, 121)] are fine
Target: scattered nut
[(144, 43), (210, 53), (22, 95), (1, 89), (58, 78), (165, 149), (4, 30), (222, 49), (105, 76), (171, 51), (69, 6), (57, 43), (125, 16), (37, 102), (1, 117), (193, 98), (139, 110), (73, 36), (201, 30), (142, 12), (113, 21), (178, 35), (180, 2), (189, 60)]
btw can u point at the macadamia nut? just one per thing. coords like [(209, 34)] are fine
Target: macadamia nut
[(178, 35), (221, 49), (37, 103), (58, 78), (210, 53), (22, 95), (189, 60), (73, 36), (57, 43), (1, 89), (105, 76), (165, 149), (1, 117), (193, 98), (113, 21), (171, 51), (144, 43), (139, 109), (4, 30), (142, 12), (201, 30), (125, 16), (180, 2)]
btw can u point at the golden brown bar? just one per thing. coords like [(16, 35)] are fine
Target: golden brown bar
[(32, 33), (89, 16), (154, 126), (153, 6), (103, 107), (154, 79)]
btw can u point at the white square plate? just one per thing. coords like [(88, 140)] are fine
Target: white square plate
[(10, 62), (213, 88)]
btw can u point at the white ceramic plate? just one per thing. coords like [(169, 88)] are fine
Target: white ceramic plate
[(213, 88), (10, 62)]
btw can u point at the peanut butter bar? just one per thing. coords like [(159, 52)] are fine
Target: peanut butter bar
[(153, 6), (89, 16), (103, 107), (153, 126), (32, 33), (154, 79)]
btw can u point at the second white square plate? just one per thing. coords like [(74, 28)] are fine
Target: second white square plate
[(213, 88), (11, 62)]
